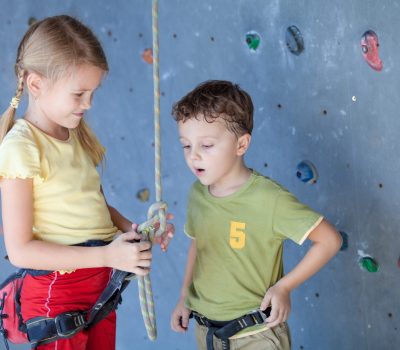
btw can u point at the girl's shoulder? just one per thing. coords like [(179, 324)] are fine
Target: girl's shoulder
[(20, 133)]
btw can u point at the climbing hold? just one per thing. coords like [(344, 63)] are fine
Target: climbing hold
[(147, 56), (143, 195), (369, 46), (253, 40), (294, 40), (369, 263), (345, 240), (32, 20), (307, 172)]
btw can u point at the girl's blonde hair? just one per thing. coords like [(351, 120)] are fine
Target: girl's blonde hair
[(52, 47)]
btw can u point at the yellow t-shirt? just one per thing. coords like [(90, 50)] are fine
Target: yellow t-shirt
[(68, 206)]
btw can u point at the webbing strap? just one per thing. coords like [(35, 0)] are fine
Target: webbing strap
[(44, 330), (223, 330)]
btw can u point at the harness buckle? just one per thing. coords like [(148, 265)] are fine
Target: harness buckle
[(258, 315), (68, 324)]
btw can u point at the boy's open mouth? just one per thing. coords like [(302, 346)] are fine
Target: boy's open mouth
[(199, 171)]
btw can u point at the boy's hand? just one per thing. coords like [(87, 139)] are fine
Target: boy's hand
[(167, 236), (180, 317), (279, 298)]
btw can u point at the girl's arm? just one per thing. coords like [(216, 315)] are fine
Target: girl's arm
[(117, 218), (125, 225), (180, 316), (326, 243), (26, 251)]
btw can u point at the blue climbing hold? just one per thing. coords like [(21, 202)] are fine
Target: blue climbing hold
[(294, 40), (345, 240), (307, 172)]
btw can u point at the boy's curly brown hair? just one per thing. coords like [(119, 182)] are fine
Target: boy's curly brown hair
[(215, 99)]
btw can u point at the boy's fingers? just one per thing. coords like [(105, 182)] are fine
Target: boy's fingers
[(273, 316), (185, 321), (265, 303)]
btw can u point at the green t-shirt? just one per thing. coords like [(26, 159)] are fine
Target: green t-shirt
[(239, 241)]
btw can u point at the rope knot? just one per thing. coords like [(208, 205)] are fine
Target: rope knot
[(147, 228)]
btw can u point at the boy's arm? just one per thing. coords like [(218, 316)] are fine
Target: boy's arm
[(326, 243), (180, 316)]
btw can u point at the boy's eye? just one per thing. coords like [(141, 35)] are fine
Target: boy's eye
[(185, 146), (79, 94), (207, 146)]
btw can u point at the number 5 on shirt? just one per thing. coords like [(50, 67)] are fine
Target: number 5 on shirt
[(237, 237)]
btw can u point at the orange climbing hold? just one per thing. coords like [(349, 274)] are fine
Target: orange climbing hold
[(147, 56)]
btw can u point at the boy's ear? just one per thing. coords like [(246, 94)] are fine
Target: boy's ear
[(34, 84), (243, 144)]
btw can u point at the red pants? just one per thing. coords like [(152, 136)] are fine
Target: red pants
[(53, 294)]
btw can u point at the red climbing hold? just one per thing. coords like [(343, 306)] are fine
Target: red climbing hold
[(369, 46)]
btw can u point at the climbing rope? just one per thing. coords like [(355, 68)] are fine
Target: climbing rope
[(147, 229)]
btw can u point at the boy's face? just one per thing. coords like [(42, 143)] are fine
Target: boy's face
[(212, 152)]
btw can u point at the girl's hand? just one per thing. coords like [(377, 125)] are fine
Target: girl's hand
[(180, 317), (126, 253), (279, 298), (167, 236)]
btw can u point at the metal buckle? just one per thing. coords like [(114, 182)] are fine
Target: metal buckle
[(260, 313), (78, 319)]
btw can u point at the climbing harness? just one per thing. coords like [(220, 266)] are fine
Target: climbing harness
[(44, 330), (223, 330)]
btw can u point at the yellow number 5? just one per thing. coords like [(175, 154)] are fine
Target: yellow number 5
[(237, 237)]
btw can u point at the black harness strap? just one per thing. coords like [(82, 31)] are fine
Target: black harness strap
[(43, 330), (223, 330)]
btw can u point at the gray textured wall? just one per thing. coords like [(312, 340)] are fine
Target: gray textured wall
[(353, 145)]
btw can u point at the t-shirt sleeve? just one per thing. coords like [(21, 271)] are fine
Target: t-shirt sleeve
[(292, 219), (189, 224), (19, 158)]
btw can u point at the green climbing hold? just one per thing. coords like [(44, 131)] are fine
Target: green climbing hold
[(253, 40), (369, 263)]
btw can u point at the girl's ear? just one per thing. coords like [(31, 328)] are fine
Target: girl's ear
[(243, 144), (34, 84)]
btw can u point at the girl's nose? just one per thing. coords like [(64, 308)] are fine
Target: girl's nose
[(87, 103)]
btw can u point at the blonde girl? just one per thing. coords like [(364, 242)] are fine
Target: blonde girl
[(55, 216)]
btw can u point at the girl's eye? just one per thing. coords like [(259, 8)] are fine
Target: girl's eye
[(79, 94), (207, 146), (185, 146)]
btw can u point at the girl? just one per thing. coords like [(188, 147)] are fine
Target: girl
[(52, 201)]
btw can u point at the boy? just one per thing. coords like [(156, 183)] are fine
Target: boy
[(238, 219)]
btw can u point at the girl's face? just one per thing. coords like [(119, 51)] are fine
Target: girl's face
[(63, 103)]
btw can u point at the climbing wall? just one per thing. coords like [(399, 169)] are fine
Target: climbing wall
[(324, 77)]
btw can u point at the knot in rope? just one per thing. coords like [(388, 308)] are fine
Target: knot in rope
[(147, 228)]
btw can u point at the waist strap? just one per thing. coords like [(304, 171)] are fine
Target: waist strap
[(223, 330), (42, 330)]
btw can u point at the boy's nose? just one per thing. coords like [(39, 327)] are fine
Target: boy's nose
[(194, 154)]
